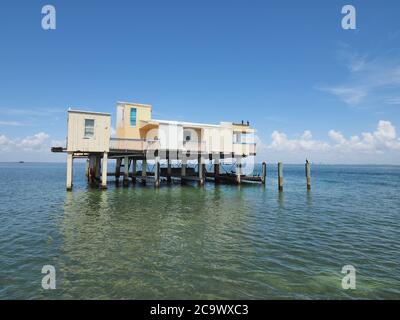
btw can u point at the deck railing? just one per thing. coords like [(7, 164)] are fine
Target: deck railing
[(191, 146), (244, 148), (127, 144), (134, 144)]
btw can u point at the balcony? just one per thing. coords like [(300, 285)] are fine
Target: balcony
[(143, 145), (149, 145)]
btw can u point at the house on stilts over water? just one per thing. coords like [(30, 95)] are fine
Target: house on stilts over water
[(176, 150)]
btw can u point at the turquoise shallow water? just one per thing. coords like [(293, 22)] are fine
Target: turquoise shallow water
[(187, 242)]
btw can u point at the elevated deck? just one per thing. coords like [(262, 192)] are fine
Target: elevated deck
[(140, 148)]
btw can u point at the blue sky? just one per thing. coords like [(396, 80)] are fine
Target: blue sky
[(307, 85)]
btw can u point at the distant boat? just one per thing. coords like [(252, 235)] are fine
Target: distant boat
[(21, 161)]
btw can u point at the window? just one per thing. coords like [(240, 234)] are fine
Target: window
[(187, 135), (237, 137), (89, 128), (133, 117)]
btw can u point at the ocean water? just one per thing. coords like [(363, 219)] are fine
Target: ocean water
[(216, 242)]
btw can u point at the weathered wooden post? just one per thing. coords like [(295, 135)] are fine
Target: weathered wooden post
[(92, 164), (216, 171), (126, 171), (157, 172), (118, 169), (308, 174), (87, 169), (183, 171), (263, 172), (238, 171), (104, 171), (70, 160), (144, 170), (201, 169), (97, 168), (169, 169), (280, 176), (133, 170)]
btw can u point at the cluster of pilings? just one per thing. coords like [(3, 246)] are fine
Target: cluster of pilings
[(127, 168), (136, 170), (307, 173)]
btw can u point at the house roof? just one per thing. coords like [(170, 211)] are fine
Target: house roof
[(89, 112), (187, 124)]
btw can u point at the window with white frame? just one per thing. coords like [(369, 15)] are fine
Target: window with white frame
[(89, 128)]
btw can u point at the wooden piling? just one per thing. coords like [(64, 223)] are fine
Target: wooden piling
[(104, 171), (169, 169), (118, 169), (87, 169), (144, 171), (280, 176), (201, 170), (183, 171), (157, 173), (216, 171), (126, 171), (239, 171), (263, 173), (97, 168), (134, 170), (69, 170), (308, 174), (92, 165)]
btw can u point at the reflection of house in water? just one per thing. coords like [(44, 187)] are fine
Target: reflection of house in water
[(141, 138)]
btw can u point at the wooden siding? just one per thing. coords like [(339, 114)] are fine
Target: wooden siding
[(76, 140)]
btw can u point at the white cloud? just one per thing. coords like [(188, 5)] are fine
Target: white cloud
[(377, 78), (38, 142), (4, 140), (394, 100), (281, 142), (35, 142), (39, 112), (383, 139), (10, 123), (350, 95), (336, 136), (31, 148), (379, 146), (57, 143)]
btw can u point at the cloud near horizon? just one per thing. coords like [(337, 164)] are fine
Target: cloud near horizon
[(380, 146), (31, 148)]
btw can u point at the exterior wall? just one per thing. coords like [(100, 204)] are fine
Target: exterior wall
[(212, 138), (124, 130), (76, 140), (149, 132), (246, 145), (170, 135), (226, 137)]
